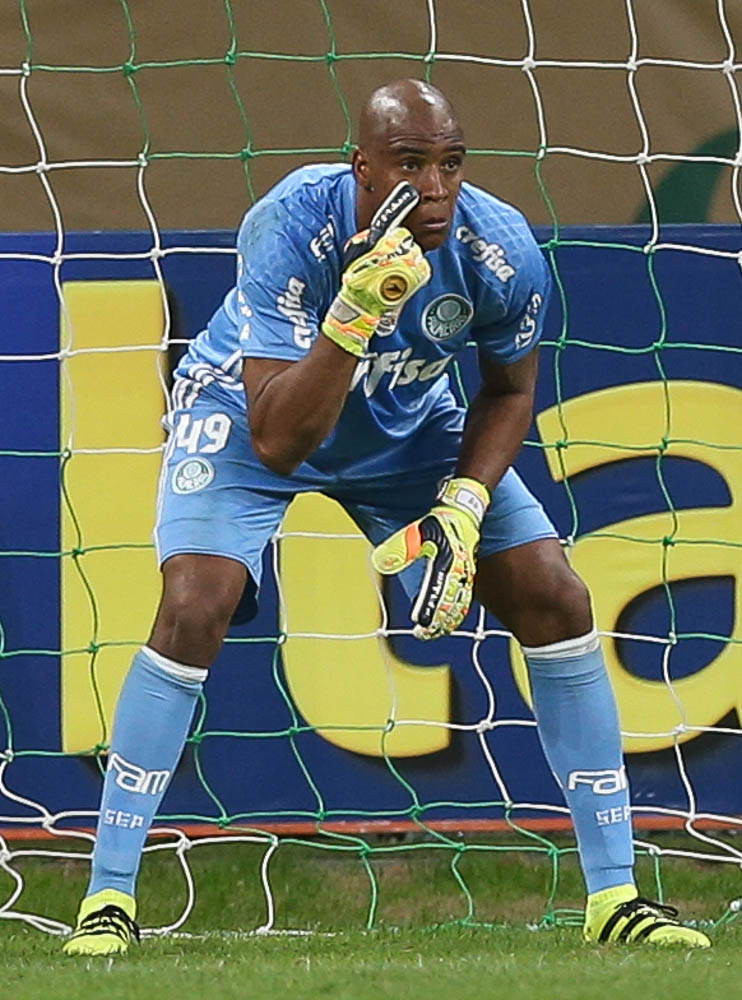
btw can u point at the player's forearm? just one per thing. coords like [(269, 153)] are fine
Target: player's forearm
[(496, 426), (299, 406)]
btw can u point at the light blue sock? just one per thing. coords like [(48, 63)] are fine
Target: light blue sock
[(579, 730), (153, 716)]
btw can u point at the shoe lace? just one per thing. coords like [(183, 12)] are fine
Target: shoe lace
[(647, 906), (113, 919)]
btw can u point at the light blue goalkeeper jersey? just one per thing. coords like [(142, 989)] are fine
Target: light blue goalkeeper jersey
[(490, 284)]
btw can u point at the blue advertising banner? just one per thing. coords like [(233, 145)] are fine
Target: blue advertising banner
[(636, 452)]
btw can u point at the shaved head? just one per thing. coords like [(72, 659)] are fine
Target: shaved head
[(408, 130), (390, 107)]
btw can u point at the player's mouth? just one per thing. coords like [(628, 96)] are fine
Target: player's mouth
[(438, 225), (432, 232)]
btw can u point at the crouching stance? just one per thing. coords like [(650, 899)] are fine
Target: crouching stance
[(392, 264)]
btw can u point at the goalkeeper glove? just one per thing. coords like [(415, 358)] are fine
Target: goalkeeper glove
[(448, 537), (383, 268)]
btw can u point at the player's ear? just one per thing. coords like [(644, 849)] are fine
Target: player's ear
[(361, 169)]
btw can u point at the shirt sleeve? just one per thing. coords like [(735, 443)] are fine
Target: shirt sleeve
[(507, 328), (277, 285)]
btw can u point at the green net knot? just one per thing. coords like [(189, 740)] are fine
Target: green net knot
[(551, 244), (129, 68), (347, 148), (77, 552), (99, 749), (223, 822), (230, 58), (196, 739), (561, 444), (93, 647), (663, 445), (65, 454), (330, 58), (246, 154), (668, 541)]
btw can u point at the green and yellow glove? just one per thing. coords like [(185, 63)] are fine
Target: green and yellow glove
[(383, 268), (448, 537)]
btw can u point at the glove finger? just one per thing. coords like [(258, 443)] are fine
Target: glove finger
[(434, 582), (443, 623), (394, 209), (399, 550), (389, 215), (446, 593)]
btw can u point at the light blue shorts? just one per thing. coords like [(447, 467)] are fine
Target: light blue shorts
[(217, 498)]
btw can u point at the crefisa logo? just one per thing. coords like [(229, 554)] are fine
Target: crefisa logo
[(445, 316)]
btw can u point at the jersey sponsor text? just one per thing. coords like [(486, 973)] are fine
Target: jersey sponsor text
[(401, 368), (290, 305), (491, 255)]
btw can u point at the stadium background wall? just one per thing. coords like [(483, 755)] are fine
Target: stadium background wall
[(50, 703), (190, 110), (204, 163)]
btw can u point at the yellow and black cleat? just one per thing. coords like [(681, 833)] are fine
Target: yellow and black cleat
[(620, 915), (105, 925)]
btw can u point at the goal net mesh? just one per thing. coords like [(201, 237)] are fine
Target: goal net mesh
[(45, 183)]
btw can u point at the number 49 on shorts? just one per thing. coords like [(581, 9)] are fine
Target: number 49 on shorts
[(202, 436)]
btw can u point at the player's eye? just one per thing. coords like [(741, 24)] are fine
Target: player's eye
[(452, 164), (409, 164)]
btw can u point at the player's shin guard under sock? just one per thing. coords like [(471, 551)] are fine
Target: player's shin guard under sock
[(153, 716), (579, 730)]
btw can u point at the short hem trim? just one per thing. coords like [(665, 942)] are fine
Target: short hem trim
[(191, 550), (492, 550)]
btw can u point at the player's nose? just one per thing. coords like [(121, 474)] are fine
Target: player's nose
[(431, 185)]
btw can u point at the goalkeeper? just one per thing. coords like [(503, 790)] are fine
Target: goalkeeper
[(326, 369)]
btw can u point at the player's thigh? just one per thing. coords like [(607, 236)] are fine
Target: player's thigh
[(384, 506), (200, 594), (515, 517), (215, 499), (523, 577)]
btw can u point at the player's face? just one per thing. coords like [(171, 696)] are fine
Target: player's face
[(432, 160)]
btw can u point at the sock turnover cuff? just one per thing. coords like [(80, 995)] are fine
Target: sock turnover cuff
[(565, 649), (180, 671)]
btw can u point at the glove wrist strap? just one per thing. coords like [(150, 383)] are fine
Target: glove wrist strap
[(467, 495), (348, 326)]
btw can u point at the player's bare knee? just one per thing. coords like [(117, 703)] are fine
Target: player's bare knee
[(192, 621), (552, 607), (569, 599)]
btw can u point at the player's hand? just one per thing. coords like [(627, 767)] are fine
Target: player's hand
[(383, 268), (448, 538)]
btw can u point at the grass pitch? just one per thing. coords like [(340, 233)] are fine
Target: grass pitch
[(418, 946)]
